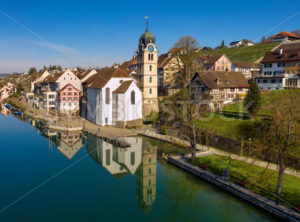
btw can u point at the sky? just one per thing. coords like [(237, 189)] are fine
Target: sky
[(100, 33)]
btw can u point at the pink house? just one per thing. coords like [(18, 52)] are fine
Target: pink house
[(69, 99), (216, 63)]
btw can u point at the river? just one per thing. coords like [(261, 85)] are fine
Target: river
[(51, 176)]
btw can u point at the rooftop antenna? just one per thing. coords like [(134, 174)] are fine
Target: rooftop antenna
[(146, 17)]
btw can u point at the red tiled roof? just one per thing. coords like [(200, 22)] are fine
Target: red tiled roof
[(226, 79), (286, 56), (284, 34), (123, 87), (99, 80), (69, 84)]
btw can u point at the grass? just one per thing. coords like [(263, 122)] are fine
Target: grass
[(225, 125), (243, 54), (254, 178)]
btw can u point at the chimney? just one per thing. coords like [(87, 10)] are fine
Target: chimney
[(280, 51)]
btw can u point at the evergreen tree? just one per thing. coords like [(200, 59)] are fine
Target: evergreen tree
[(223, 44), (253, 99)]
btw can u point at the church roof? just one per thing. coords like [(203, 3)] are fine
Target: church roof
[(99, 80), (147, 37), (123, 87)]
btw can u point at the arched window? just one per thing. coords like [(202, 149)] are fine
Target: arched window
[(150, 91), (132, 97), (132, 158), (150, 79), (107, 96), (150, 68), (151, 57)]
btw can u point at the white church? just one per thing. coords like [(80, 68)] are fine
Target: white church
[(116, 98)]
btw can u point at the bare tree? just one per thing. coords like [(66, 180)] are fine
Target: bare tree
[(186, 107), (277, 138)]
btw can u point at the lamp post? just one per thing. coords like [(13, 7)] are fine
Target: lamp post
[(249, 146)]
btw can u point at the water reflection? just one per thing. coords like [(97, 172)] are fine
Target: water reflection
[(139, 159), (4, 111)]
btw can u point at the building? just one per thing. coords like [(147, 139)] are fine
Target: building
[(113, 98), (50, 87), (215, 63), (243, 42), (219, 88), (69, 99), (280, 68), (39, 79), (7, 90), (147, 71), (249, 70), (284, 37), (86, 74), (168, 66)]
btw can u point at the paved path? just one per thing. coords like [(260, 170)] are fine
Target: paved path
[(205, 151)]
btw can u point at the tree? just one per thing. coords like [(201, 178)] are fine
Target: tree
[(263, 39), (223, 44), (32, 70), (283, 134), (186, 108), (252, 101)]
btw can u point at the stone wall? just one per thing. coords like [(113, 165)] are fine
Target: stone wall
[(132, 123)]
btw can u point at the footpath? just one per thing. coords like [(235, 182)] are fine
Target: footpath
[(203, 150)]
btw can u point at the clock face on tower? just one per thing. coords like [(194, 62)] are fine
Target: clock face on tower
[(150, 48)]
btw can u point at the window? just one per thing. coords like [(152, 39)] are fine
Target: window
[(107, 157), (268, 65), (150, 79), (132, 158), (150, 91), (150, 68), (273, 81), (107, 96), (149, 171), (132, 96), (265, 81)]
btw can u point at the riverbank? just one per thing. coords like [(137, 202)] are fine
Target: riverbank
[(239, 191)]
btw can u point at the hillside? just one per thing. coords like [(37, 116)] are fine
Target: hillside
[(243, 54)]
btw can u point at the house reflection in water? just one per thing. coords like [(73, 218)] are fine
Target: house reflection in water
[(69, 143), (139, 158), (116, 160), (4, 110)]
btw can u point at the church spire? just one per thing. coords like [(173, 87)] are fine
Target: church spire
[(147, 23)]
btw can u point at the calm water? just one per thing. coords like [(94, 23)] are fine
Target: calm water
[(48, 176)]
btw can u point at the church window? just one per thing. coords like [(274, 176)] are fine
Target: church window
[(107, 96), (150, 91), (107, 157), (150, 79), (149, 171), (132, 98), (150, 68), (151, 57), (132, 159)]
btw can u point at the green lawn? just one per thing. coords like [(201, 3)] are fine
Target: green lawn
[(253, 178), (243, 54), (223, 125)]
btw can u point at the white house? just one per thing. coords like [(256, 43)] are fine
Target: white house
[(40, 79), (249, 70), (243, 42), (113, 98), (7, 90)]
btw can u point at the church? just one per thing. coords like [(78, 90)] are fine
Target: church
[(114, 97)]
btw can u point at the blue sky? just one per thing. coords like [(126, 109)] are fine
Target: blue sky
[(95, 33)]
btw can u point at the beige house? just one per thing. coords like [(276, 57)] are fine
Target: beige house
[(219, 88)]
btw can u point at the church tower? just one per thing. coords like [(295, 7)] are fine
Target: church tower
[(147, 65)]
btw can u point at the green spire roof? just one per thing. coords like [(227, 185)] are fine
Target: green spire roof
[(147, 37)]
